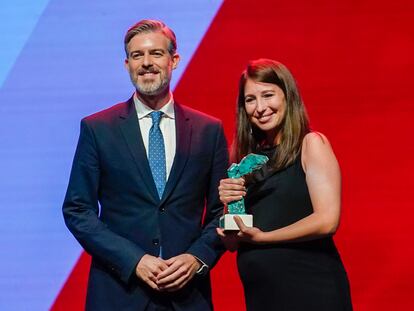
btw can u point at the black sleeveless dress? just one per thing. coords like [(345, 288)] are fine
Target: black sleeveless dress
[(290, 276)]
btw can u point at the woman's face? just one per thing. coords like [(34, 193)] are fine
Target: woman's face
[(265, 105)]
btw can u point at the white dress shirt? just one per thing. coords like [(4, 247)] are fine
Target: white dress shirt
[(167, 127)]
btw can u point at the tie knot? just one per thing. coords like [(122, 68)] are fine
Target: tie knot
[(156, 117)]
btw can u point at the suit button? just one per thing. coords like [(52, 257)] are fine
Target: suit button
[(155, 242), (162, 209)]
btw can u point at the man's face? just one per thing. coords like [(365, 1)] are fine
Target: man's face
[(149, 63)]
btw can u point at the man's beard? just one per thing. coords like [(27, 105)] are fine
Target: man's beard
[(152, 88)]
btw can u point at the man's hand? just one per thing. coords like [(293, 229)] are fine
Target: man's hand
[(180, 271), (148, 268)]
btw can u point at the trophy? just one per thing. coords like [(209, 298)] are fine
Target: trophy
[(247, 165)]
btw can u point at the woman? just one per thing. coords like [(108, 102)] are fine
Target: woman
[(288, 261)]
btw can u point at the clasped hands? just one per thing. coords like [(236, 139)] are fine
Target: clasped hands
[(233, 189), (167, 275)]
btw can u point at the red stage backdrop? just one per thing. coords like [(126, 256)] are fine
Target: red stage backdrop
[(353, 61)]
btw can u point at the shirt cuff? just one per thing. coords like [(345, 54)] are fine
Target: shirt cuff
[(203, 268)]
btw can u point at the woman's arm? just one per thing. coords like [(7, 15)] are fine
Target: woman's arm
[(323, 179)]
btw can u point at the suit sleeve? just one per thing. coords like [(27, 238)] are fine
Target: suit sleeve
[(81, 210), (208, 248)]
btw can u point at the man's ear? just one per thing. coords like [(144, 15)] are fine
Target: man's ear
[(175, 60)]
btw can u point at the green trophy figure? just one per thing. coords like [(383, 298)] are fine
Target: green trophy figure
[(247, 165)]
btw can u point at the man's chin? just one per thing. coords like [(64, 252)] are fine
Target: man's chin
[(151, 90), (149, 93), (147, 89)]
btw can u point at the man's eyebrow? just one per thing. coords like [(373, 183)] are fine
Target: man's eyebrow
[(150, 50), (158, 50)]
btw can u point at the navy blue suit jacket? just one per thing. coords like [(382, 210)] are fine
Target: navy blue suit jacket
[(113, 209)]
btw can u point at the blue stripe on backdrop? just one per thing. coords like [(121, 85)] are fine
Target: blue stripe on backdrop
[(17, 20), (71, 66)]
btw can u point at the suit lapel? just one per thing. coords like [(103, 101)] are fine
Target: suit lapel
[(132, 134), (183, 130)]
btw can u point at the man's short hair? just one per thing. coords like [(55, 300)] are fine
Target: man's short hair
[(147, 26)]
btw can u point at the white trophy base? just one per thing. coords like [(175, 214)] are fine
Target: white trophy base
[(227, 222)]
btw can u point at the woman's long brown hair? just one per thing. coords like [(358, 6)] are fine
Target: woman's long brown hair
[(294, 125)]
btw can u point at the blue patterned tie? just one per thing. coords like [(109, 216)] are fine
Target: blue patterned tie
[(156, 152)]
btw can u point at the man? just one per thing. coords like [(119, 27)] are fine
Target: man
[(142, 197)]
